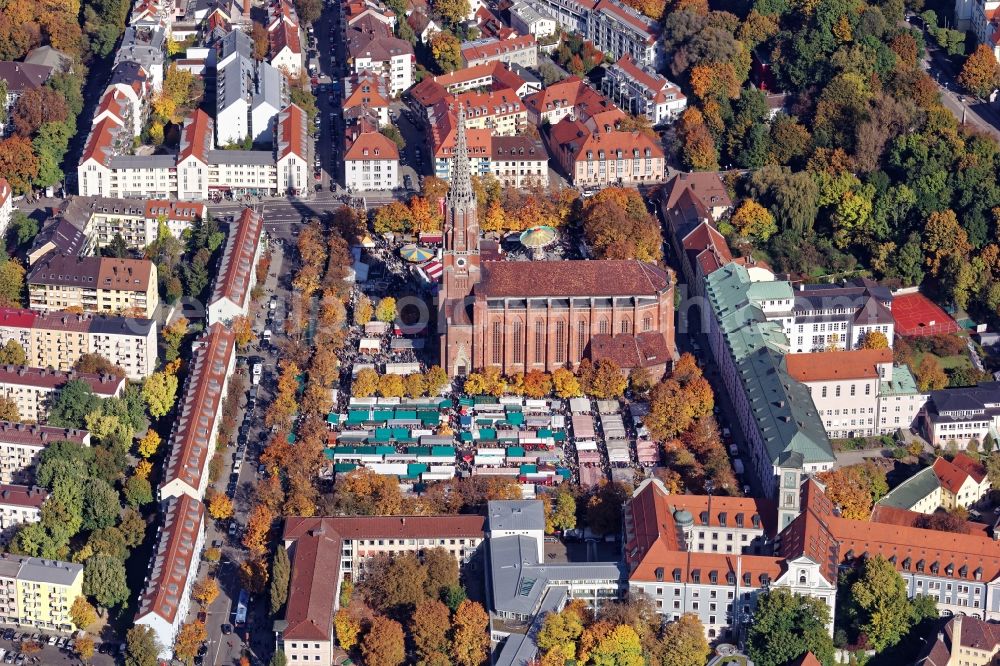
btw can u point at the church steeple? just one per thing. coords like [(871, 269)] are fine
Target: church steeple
[(462, 223)]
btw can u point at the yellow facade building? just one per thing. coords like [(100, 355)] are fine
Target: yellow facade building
[(38, 593)]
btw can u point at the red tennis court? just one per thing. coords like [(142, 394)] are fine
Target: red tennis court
[(915, 314)]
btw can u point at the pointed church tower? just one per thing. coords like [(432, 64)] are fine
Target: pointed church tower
[(461, 227), (460, 260)]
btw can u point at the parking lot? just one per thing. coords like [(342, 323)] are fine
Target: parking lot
[(22, 648)]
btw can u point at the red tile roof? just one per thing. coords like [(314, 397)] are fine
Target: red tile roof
[(40, 436), (406, 527), (643, 350), (185, 211), (580, 144), (499, 47), (808, 659), (32, 496), (371, 146), (100, 143), (836, 365), (571, 92), (951, 476), (571, 278), (706, 186), (236, 270), (971, 467), (313, 587), (176, 551), (196, 138), (366, 89), (104, 386), (190, 439), (282, 36), (292, 132)]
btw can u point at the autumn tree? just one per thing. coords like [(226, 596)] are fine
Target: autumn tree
[(18, 163), (684, 642), (559, 634), (363, 310), (980, 74), (930, 375), (699, 151), (37, 107), (258, 526), (149, 444), (243, 330), (944, 238), (220, 506), (436, 379), (347, 629), (566, 383), (190, 638), (391, 386), (383, 644), (365, 492), (84, 648), (82, 613), (429, 626), (205, 591), (537, 384), (260, 42), (386, 310), (452, 11), (560, 512), (415, 385), (159, 391), (365, 383), (874, 340), (855, 488), (470, 634), (754, 221), (608, 381), (447, 51)]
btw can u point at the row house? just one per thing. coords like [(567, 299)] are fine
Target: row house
[(173, 569), (606, 156), (196, 428), (284, 38), (32, 390), (19, 505), (859, 393), (58, 339), (520, 50), (39, 593), (326, 551), (236, 275), (642, 92), (21, 444), (103, 285)]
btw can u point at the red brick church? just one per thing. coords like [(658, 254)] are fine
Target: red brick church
[(527, 315)]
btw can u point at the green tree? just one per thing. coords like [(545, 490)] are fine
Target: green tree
[(879, 603), (786, 626), (141, 648), (104, 580), (280, 578), (71, 406), (442, 572), (101, 505), (23, 229), (12, 353), (138, 491), (279, 659), (562, 514)]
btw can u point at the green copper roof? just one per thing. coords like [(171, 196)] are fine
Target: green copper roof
[(783, 408), (902, 382), (909, 492)]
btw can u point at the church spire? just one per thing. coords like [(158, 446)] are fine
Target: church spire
[(461, 174)]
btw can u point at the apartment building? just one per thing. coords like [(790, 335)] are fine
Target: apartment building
[(136, 221), (19, 505), (58, 339), (192, 439), (985, 22), (371, 160), (237, 273), (618, 30), (493, 75), (962, 414), (33, 389), (249, 95), (371, 46), (21, 444), (366, 93), (519, 161), (94, 284), (166, 597), (642, 92), (500, 111), (6, 206), (527, 18), (605, 156), (285, 48), (570, 98), (947, 484), (521, 50), (293, 150), (38, 593), (859, 393)]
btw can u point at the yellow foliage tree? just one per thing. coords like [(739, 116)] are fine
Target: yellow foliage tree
[(149, 444)]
